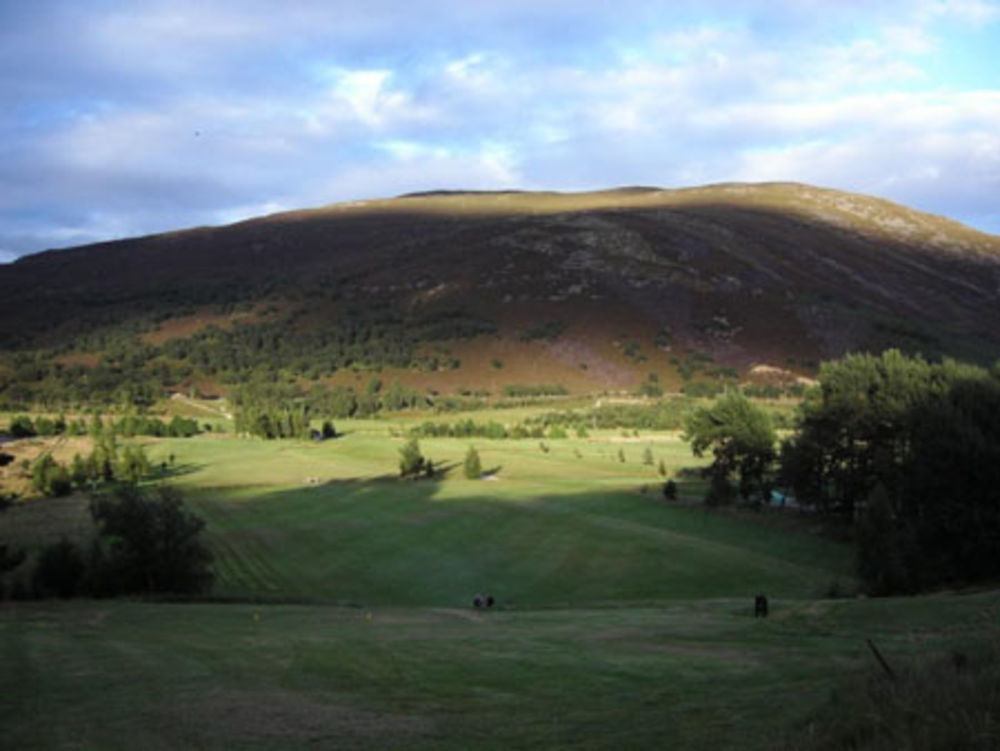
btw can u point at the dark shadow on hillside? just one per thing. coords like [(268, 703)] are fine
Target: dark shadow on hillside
[(895, 286)]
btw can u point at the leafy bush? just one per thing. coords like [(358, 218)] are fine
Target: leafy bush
[(548, 331), (21, 427), (702, 389)]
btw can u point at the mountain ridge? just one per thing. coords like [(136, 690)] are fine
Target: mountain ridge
[(624, 281)]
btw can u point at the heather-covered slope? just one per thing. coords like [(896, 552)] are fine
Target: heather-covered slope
[(591, 290)]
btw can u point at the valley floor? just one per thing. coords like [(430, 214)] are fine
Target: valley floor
[(342, 611)]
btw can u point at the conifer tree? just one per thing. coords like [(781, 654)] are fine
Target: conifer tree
[(473, 468)]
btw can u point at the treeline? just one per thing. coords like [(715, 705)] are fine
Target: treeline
[(662, 415), (910, 452), (23, 426), (270, 410), (904, 451), (132, 372), (105, 463), (520, 391), (40, 379), (491, 430)]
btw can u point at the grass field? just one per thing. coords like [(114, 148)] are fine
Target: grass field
[(694, 674), (342, 610)]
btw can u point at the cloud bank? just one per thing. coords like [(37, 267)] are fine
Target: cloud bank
[(123, 119)]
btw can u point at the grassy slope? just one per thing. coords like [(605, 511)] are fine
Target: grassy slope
[(331, 522), (550, 529), (624, 620)]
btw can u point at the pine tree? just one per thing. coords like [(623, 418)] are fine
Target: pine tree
[(411, 461), (473, 468)]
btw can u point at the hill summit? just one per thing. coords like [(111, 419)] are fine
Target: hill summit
[(452, 290)]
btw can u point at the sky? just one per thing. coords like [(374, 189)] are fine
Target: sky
[(127, 118)]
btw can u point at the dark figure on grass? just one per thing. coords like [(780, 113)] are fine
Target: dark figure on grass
[(760, 607), (483, 601)]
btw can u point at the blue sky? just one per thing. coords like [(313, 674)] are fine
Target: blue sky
[(123, 118)]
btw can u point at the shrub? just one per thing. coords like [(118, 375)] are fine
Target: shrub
[(49, 477), (21, 427), (670, 490)]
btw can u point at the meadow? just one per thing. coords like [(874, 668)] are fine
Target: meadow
[(342, 612)]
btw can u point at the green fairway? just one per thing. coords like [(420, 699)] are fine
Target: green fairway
[(341, 615), (332, 522), (688, 675)]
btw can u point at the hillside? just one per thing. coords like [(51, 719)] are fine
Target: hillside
[(471, 291)]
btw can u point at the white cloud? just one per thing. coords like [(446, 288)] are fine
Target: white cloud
[(977, 12), (191, 111)]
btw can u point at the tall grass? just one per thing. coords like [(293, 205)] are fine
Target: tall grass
[(934, 703)]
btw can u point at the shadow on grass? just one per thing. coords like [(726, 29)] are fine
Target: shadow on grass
[(394, 541), (167, 471)]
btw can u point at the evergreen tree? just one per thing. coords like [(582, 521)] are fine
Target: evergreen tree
[(472, 466), (411, 461), (670, 490), (78, 471), (134, 465)]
